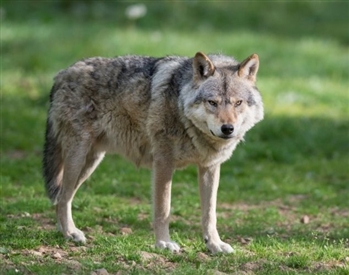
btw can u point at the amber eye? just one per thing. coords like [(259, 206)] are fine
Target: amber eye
[(212, 103), (238, 103)]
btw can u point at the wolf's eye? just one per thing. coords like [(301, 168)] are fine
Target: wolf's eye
[(212, 103), (238, 103)]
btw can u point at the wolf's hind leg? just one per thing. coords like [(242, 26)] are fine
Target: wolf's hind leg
[(78, 166)]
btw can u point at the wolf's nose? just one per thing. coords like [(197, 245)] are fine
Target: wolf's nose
[(227, 129)]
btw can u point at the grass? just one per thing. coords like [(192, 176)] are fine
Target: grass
[(293, 164)]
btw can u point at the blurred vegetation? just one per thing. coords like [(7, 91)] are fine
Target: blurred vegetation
[(289, 19)]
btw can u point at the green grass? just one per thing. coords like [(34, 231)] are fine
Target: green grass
[(294, 163)]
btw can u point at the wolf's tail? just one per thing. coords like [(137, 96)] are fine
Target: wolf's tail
[(52, 163)]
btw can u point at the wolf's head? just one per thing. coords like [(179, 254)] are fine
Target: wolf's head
[(223, 101)]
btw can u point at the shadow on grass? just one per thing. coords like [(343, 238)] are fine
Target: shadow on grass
[(288, 139)]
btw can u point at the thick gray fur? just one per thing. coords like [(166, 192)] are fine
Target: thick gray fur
[(161, 113)]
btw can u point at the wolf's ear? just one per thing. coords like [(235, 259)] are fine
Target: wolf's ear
[(249, 67), (203, 66)]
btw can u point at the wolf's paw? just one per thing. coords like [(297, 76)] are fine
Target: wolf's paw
[(172, 246), (219, 247), (76, 236)]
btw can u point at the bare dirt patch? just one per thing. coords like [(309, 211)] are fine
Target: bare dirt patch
[(154, 261), (251, 267), (41, 256), (16, 154), (44, 222)]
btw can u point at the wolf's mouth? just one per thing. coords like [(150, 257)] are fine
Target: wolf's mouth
[(222, 136), (226, 137)]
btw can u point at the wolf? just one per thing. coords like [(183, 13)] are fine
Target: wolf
[(162, 113)]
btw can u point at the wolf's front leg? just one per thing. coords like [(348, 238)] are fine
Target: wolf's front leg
[(208, 182), (162, 181)]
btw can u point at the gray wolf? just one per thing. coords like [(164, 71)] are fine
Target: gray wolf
[(162, 113)]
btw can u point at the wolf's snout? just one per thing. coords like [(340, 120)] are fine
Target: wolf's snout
[(227, 129)]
